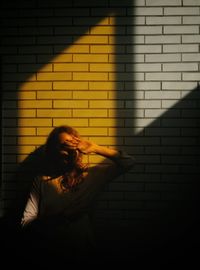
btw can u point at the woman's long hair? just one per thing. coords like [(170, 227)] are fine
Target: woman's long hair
[(73, 171)]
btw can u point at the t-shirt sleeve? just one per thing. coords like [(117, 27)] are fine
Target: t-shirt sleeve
[(32, 206), (119, 165), (101, 174)]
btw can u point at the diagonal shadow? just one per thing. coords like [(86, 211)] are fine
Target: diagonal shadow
[(164, 215), (42, 31)]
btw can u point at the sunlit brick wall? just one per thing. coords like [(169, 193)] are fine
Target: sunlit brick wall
[(124, 74)]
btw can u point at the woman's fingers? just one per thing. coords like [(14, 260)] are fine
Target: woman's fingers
[(72, 142), (75, 143), (75, 139)]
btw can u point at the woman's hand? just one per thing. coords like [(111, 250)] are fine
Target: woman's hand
[(88, 147), (84, 146)]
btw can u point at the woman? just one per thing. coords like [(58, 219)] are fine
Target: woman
[(59, 204)]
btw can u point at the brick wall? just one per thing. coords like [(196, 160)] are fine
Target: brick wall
[(124, 74)]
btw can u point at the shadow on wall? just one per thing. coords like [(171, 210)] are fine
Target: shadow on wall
[(168, 211)]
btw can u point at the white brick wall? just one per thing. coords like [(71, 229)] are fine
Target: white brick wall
[(124, 73)]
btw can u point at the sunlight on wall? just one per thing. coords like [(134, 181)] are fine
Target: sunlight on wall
[(76, 88)]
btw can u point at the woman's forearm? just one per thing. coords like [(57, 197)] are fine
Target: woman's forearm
[(124, 161), (121, 158), (105, 151)]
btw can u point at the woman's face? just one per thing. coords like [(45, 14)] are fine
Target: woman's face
[(66, 151)]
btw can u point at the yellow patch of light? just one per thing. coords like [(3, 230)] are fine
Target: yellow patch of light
[(82, 66)]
